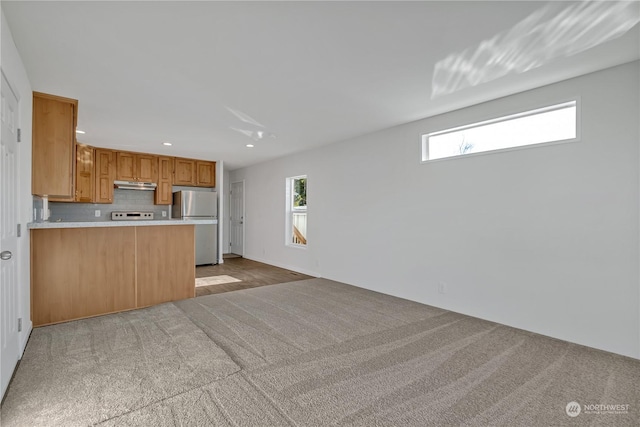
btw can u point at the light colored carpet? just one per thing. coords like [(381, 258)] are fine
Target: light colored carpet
[(311, 353), (87, 371), (215, 280)]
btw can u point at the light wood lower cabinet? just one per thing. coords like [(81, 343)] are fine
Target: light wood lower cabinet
[(166, 264), (81, 272), (84, 272)]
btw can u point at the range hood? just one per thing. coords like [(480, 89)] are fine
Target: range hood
[(134, 185)]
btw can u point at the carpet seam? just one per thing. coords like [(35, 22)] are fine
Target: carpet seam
[(292, 344), (266, 396), (222, 346), (170, 397), (220, 407), (372, 309)]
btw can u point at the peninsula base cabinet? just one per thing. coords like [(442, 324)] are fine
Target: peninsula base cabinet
[(165, 264), (84, 272)]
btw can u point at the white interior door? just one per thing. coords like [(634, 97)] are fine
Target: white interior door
[(236, 218), (8, 236)]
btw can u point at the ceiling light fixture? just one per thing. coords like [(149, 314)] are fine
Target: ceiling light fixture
[(168, 144), (259, 135), (250, 145), (80, 131)]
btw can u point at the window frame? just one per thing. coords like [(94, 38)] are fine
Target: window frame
[(546, 107), (291, 210)]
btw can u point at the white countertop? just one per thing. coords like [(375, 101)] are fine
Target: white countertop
[(87, 224)]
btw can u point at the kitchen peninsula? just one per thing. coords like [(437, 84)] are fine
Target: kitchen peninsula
[(87, 268), (84, 269)]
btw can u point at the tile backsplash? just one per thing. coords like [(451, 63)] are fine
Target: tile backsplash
[(123, 200)]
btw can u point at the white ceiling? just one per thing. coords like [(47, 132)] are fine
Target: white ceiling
[(311, 73)]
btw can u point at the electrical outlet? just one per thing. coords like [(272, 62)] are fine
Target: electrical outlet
[(97, 213), (164, 213), (442, 287)]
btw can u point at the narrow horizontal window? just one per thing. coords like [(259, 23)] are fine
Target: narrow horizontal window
[(543, 125)]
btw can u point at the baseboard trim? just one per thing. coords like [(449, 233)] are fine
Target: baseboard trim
[(288, 267), (24, 338)]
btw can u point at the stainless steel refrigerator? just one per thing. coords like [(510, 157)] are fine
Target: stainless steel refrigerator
[(200, 205)]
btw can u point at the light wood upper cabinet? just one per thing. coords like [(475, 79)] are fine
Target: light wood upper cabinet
[(136, 167), (126, 166), (66, 173), (53, 146), (147, 168), (206, 174), (194, 173), (105, 174), (84, 174), (185, 172), (164, 194)]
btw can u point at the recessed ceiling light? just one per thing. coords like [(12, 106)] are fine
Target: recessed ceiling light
[(80, 131), (168, 144), (250, 145)]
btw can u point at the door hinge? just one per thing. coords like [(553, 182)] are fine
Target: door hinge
[(20, 324), (19, 232), (19, 135)]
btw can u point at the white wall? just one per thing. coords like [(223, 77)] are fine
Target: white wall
[(224, 194), (544, 239), (14, 70), (221, 183)]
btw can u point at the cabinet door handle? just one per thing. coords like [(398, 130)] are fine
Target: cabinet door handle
[(5, 255)]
